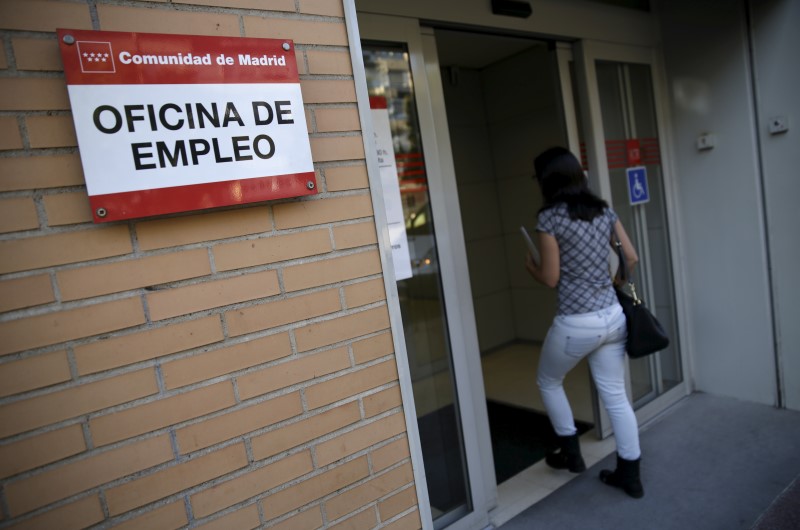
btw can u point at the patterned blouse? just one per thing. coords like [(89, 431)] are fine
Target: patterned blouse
[(584, 283)]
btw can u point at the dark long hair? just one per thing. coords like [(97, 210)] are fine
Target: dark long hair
[(562, 180)]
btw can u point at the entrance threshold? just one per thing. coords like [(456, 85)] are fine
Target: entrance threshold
[(525, 489)]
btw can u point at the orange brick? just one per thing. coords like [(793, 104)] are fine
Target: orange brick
[(96, 280), (164, 233), (382, 401), (58, 249), (52, 328), (34, 15), (167, 517), (116, 18), (58, 406), (330, 63), (410, 521), (9, 133), (263, 5), (67, 208), (337, 120), (307, 213), (327, 91), (18, 213), (37, 54), (398, 503), (236, 423), (369, 492), (35, 172), (51, 131), (161, 413), (342, 178), (34, 372), (295, 309), (149, 344), (33, 93), (310, 519), (322, 7), (314, 488), (251, 484), (333, 148), (363, 520), (341, 328), (364, 293), (373, 348), (291, 372), (390, 454), (173, 479), (66, 480), (351, 384), (282, 439), (354, 235), (359, 439), (200, 367), (241, 254), (26, 292), (300, 31), (331, 271), (74, 516), (35, 451), (245, 518), (210, 294)]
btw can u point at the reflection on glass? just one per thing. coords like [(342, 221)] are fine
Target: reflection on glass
[(628, 108), (421, 300)]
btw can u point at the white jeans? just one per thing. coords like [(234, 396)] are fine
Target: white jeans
[(600, 335)]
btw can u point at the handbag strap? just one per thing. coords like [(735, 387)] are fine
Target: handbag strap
[(622, 270)]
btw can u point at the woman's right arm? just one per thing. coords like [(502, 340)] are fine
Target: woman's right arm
[(631, 257)]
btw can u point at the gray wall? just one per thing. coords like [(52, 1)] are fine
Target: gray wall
[(493, 148), (720, 201), (776, 43)]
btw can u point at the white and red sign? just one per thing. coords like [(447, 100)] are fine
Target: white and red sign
[(170, 123)]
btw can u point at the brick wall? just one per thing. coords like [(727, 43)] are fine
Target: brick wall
[(226, 369)]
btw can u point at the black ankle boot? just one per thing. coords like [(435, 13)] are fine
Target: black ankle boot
[(626, 476), (567, 455)]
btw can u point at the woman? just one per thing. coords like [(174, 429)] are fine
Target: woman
[(575, 231)]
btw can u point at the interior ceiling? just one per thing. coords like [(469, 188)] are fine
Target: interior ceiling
[(478, 50)]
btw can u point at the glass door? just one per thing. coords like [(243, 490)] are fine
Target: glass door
[(438, 335), (624, 154)]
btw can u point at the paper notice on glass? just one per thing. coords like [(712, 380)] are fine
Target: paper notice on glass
[(537, 259), (391, 193)]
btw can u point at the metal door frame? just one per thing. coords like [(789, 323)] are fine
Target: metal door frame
[(586, 53), (452, 261)]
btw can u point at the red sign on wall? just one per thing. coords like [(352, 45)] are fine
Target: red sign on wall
[(634, 152), (170, 123)]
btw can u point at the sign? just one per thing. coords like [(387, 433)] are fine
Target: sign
[(634, 152), (171, 123), (638, 191), (401, 256)]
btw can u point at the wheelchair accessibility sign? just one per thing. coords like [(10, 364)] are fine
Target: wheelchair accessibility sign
[(638, 191)]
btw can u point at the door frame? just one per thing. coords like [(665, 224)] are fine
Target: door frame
[(586, 53), (460, 316)]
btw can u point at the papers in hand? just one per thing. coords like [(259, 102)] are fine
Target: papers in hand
[(537, 259)]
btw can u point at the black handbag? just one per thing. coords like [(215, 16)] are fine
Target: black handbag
[(646, 335)]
